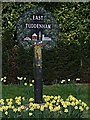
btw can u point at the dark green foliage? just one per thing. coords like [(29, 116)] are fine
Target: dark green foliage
[(71, 57)]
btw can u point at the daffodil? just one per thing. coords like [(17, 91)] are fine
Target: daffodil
[(73, 104), (15, 110), (32, 81), (76, 107), (25, 78), (1, 79), (42, 108), (31, 100), (13, 107), (2, 102), (38, 106), (5, 77), (34, 105), (4, 80), (66, 110), (65, 105), (77, 79), (59, 96), (9, 103), (30, 114), (31, 104), (6, 108), (51, 108), (77, 102), (87, 108), (55, 98), (25, 84), (32, 109), (11, 99), (81, 108), (19, 109), (31, 85), (68, 80), (23, 98), (51, 97), (22, 107), (6, 113), (44, 96)]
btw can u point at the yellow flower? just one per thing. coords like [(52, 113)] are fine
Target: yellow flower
[(80, 101), (24, 78), (51, 97), (19, 98), (30, 114), (3, 107), (34, 105), (38, 106), (18, 102), (31, 100), (32, 81), (19, 109), (47, 103), (44, 96), (25, 84), (11, 99), (31, 104), (23, 98), (66, 110), (50, 104), (50, 108), (15, 110), (87, 108), (2, 102), (58, 107), (72, 103), (10, 106), (20, 78), (32, 109), (59, 96), (42, 108), (9, 103), (5, 77), (55, 98), (85, 104), (31, 85), (57, 103), (76, 107), (13, 107), (6, 113), (22, 106), (65, 105), (81, 108), (77, 102), (68, 103), (53, 101), (55, 109)]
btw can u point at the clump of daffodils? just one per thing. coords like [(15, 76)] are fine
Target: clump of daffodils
[(3, 79), (52, 106)]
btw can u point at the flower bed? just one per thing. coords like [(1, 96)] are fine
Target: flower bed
[(52, 107)]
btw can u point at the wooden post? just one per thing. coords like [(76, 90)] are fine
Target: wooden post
[(38, 88)]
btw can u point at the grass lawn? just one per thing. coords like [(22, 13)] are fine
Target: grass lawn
[(80, 91)]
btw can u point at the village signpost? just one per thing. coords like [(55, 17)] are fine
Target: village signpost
[(39, 29)]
